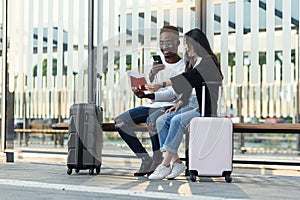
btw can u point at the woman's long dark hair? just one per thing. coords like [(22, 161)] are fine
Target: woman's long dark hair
[(199, 41)]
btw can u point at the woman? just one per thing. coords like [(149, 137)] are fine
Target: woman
[(204, 68)]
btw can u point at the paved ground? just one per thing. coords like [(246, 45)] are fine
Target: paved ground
[(44, 177), (40, 172)]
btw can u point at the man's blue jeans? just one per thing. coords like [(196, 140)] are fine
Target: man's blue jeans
[(126, 122)]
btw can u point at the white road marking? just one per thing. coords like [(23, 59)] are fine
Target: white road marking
[(93, 189)]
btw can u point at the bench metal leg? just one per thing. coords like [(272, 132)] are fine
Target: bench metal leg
[(187, 136), (26, 136), (61, 139), (298, 144), (19, 139)]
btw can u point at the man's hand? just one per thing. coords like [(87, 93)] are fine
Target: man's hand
[(138, 92), (157, 67)]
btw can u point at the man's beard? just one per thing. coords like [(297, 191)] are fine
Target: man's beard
[(171, 56)]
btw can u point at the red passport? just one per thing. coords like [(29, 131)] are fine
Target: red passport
[(137, 80)]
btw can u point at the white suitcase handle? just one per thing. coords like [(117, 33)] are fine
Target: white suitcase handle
[(203, 97)]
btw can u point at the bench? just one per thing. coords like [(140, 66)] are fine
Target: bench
[(38, 127), (62, 128), (54, 132), (237, 128), (59, 129)]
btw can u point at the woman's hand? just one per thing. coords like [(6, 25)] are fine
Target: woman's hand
[(153, 86), (175, 107)]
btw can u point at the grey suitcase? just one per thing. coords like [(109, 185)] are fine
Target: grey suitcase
[(85, 138)]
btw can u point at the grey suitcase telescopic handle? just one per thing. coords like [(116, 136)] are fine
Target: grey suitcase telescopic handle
[(98, 90)]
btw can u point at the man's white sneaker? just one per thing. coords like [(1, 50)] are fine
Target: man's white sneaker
[(177, 169), (160, 172)]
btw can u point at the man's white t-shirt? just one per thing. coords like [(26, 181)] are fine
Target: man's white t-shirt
[(166, 96)]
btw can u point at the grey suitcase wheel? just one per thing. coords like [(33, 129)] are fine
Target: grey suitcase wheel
[(69, 171), (91, 171), (98, 170)]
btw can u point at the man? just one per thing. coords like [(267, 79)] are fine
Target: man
[(160, 101)]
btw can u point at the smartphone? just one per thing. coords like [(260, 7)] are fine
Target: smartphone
[(157, 58)]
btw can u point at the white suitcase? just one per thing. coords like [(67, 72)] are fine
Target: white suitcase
[(210, 147)]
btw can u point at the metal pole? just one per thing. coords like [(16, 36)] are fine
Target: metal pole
[(200, 14), (197, 13), (4, 75), (240, 106), (7, 122), (100, 68), (25, 135), (298, 80), (91, 73)]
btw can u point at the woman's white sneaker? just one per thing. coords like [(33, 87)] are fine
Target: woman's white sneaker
[(177, 169), (160, 172)]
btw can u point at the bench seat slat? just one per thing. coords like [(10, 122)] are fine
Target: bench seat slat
[(51, 131), (266, 128), (237, 127)]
